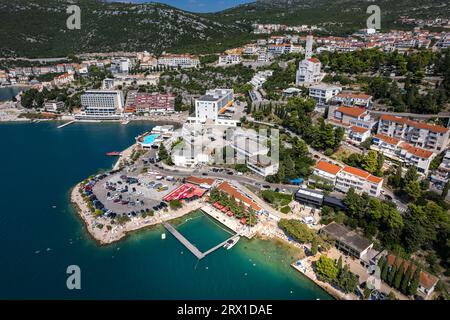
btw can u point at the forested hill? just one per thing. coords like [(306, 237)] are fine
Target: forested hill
[(38, 28), (339, 16)]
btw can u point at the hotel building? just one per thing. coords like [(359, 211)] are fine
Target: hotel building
[(431, 137), (179, 61), (348, 177), (101, 105), (142, 102), (322, 93), (353, 99), (404, 152)]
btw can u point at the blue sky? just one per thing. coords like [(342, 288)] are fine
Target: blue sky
[(197, 5)]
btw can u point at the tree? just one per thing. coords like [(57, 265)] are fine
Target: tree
[(163, 154), (411, 175), (445, 190), (370, 162), (412, 290), (314, 247), (392, 272), (385, 270), (413, 190), (399, 276), (339, 264), (406, 279), (326, 269)]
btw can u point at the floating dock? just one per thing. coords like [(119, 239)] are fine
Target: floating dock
[(66, 124), (193, 249)]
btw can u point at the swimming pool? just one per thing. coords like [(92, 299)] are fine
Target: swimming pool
[(150, 139)]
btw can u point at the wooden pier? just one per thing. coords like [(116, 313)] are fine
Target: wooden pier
[(193, 249), (66, 124)]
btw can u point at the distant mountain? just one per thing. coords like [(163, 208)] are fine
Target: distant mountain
[(38, 27)]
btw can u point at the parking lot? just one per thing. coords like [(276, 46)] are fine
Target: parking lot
[(122, 194)]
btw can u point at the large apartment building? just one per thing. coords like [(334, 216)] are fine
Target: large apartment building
[(309, 72), (101, 105), (178, 61), (215, 107), (347, 177), (143, 102), (403, 152), (442, 174), (322, 93), (353, 99), (420, 134)]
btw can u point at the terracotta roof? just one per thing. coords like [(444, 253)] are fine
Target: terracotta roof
[(315, 60), (353, 95), (339, 122), (387, 139), (199, 181), (227, 188), (354, 112), (328, 167), (419, 152), (359, 129), (416, 124), (426, 280), (363, 174)]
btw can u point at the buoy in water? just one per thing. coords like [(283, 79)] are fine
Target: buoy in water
[(163, 236)]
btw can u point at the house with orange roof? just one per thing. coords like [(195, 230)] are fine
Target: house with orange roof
[(427, 282), (326, 171), (357, 135), (361, 181), (420, 134), (350, 116), (233, 192), (355, 99)]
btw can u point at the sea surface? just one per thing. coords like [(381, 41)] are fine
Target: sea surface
[(7, 93), (41, 235)]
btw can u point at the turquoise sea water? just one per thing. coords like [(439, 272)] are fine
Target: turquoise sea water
[(40, 234)]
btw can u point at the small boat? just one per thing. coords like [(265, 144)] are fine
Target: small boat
[(113, 154), (163, 236), (231, 243)]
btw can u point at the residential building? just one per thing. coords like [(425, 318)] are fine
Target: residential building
[(420, 134), (240, 197), (215, 107), (121, 65), (263, 165), (53, 106), (325, 172), (361, 181), (179, 61), (343, 116), (347, 240), (427, 282), (229, 59), (101, 105), (143, 102), (357, 135), (309, 197), (260, 78), (353, 99), (403, 152), (442, 175), (309, 72), (322, 93)]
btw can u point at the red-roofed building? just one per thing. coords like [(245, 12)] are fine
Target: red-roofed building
[(325, 171), (423, 135), (358, 135), (404, 152), (232, 191), (427, 282), (360, 180), (355, 99), (348, 115)]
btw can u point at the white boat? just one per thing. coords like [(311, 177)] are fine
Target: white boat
[(163, 236), (231, 243)]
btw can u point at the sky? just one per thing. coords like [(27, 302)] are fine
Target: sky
[(197, 5)]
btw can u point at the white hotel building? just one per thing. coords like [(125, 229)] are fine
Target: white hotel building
[(101, 105), (431, 137), (214, 107), (322, 93), (179, 61), (348, 177), (403, 152)]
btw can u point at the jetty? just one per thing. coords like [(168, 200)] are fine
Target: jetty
[(66, 124), (193, 249)]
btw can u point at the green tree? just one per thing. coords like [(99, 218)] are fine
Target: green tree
[(370, 161), (445, 190), (385, 270), (163, 154), (392, 273), (406, 279), (399, 276), (413, 190), (412, 290), (326, 269)]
